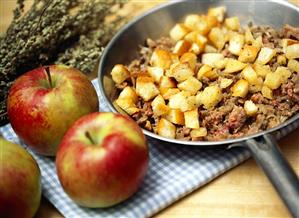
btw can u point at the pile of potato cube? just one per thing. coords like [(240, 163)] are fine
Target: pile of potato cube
[(175, 89)]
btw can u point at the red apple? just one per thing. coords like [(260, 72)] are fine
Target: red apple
[(102, 159), (20, 182), (43, 103)]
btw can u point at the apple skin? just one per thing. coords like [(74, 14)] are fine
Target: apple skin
[(20, 182), (109, 168), (41, 114)]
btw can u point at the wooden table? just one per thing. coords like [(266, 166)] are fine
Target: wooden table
[(242, 192)]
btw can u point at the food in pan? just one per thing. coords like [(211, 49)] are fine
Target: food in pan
[(212, 79)]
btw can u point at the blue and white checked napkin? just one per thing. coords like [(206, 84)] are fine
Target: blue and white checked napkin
[(174, 171)]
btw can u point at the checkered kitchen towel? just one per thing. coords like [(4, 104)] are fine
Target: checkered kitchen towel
[(174, 171)]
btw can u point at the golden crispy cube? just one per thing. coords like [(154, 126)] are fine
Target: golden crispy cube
[(210, 49), (166, 128), (232, 23), (261, 70), (155, 72), (146, 88), (211, 58), (216, 36), (218, 12), (233, 66), (267, 92), (119, 73), (180, 71), (127, 104), (191, 21), (189, 58), (293, 65), (209, 97), (258, 42), (195, 48), (250, 108), (181, 47), (212, 21), (159, 107), (178, 31), (191, 119), (168, 92), (250, 75), (281, 60), (220, 64), (283, 73), (203, 70), (202, 26), (236, 43), (175, 116), (200, 132), (225, 82), (272, 80), (191, 84), (257, 87), (292, 51), (265, 55), (248, 53), (248, 36), (167, 82), (129, 92), (183, 101), (161, 58), (286, 42), (240, 88)]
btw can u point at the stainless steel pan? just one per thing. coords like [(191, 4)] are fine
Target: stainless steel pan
[(157, 22)]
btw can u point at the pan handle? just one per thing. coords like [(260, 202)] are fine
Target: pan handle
[(268, 156)]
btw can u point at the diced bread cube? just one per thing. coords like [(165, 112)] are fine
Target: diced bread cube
[(200, 132), (281, 60), (212, 21), (155, 72), (168, 92), (211, 58), (233, 66), (183, 101), (167, 82), (178, 31), (250, 75), (293, 65), (216, 36), (191, 21), (127, 105), (240, 88), (292, 51), (210, 49), (161, 58), (159, 107), (189, 58), (272, 80), (146, 88), (191, 119), (257, 87), (250, 108), (258, 42), (267, 92), (202, 25), (209, 97), (236, 43), (262, 70), (248, 36), (195, 48), (225, 82), (232, 23), (203, 70), (166, 128), (129, 92), (283, 73), (218, 12), (248, 53), (191, 84), (265, 55), (175, 116), (220, 64), (181, 47), (180, 71), (119, 73), (286, 42)]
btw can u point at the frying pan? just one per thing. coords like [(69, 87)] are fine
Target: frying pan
[(156, 23)]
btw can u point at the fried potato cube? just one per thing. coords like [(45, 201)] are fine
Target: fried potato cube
[(236, 43), (232, 23), (250, 75), (281, 60), (128, 105), (211, 58), (183, 101), (178, 31), (265, 55), (233, 66), (191, 119), (218, 12), (166, 128), (272, 80), (146, 88), (203, 70), (189, 58), (191, 84), (168, 92), (180, 71), (119, 73), (181, 47), (209, 97), (248, 53), (155, 72), (159, 107), (261, 70), (191, 20), (224, 82), (248, 36), (216, 36), (250, 108), (293, 65), (240, 88), (200, 132), (267, 92), (161, 58), (129, 92), (292, 51), (283, 73), (175, 116)]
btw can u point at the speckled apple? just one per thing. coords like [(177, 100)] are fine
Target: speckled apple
[(43, 103), (20, 182), (102, 159)]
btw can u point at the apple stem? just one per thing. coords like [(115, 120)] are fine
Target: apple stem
[(87, 134), (49, 76)]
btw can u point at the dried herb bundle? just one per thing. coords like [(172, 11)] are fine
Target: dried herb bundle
[(72, 32)]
